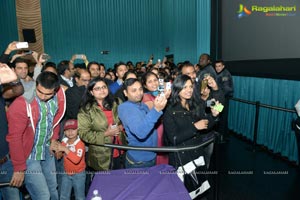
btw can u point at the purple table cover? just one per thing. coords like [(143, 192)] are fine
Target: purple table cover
[(158, 183)]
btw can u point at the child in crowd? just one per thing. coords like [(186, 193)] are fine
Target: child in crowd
[(74, 163)]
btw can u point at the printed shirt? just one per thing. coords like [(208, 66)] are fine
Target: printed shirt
[(74, 161), (44, 128)]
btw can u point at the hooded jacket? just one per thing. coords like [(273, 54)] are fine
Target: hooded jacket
[(23, 118)]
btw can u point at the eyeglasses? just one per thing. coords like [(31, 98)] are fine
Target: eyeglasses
[(100, 88)]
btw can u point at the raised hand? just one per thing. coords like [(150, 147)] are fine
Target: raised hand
[(7, 75)]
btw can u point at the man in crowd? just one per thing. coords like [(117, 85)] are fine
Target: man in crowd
[(188, 69), (206, 69), (74, 94), (20, 67), (33, 139), (139, 123), (120, 69), (94, 69), (66, 72), (225, 82)]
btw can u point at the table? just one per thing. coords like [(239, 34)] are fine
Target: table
[(155, 183)]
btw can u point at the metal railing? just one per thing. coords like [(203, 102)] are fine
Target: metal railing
[(257, 107)]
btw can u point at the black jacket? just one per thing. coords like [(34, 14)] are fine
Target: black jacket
[(73, 99), (179, 130)]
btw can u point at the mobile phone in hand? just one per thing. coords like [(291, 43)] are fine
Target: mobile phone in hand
[(22, 45), (45, 57), (114, 126), (168, 85), (28, 52), (79, 56)]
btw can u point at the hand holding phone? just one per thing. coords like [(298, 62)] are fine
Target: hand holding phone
[(168, 85), (79, 56), (22, 45), (204, 83), (114, 126), (28, 52), (45, 57)]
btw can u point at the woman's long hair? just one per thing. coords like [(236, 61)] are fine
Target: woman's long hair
[(88, 99), (177, 86)]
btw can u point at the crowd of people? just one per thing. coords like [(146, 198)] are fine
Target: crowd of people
[(55, 117)]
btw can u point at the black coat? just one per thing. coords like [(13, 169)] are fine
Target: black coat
[(73, 99), (179, 130)]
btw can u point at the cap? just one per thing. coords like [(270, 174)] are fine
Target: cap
[(71, 124)]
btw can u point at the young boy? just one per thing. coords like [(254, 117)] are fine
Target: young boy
[(74, 163)]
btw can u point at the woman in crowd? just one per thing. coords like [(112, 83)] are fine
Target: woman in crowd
[(182, 127), (150, 83), (98, 123)]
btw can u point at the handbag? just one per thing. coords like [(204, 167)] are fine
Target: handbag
[(190, 172), (194, 181)]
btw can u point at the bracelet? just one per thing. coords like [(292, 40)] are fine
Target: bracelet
[(15, 82)]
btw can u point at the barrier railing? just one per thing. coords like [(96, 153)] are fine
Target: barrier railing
[(257, 108)]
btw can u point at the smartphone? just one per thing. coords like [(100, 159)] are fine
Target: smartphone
[(114, 126), (161, 85), (28, 52), (79, 56), (22, 45), (45, 57), (203, 84), (168, 86), (161, 94)]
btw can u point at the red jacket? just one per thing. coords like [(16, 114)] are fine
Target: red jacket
[(22, 120)]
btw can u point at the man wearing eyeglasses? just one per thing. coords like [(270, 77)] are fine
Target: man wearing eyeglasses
[(32, 134)]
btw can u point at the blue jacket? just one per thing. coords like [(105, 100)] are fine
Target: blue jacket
[(114, 87), (139, 123)]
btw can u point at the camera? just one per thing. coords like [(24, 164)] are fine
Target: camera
[(210, 103)]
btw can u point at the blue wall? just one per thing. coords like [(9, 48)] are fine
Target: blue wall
[(130, 30), (8, 24)]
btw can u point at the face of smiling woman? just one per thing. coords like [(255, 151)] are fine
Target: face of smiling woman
[(151, 83), (187, 91)]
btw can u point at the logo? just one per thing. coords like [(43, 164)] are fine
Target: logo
[(268, 11), (243, 11)]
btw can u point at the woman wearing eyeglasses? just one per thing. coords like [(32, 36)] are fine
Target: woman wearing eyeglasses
[(98, 123)]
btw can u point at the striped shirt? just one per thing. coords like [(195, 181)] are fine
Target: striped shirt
[(44, 128)]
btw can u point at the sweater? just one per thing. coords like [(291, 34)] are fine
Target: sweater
[(139, 123)]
